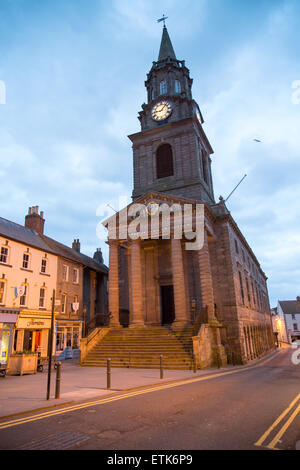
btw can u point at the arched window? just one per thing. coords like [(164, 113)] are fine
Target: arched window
[(177, 87), (163, 87), (164, 161)]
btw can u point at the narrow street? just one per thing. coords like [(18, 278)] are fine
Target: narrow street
[(235, 411)]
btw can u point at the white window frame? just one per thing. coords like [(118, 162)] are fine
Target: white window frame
[(43, 298), (65, 271), (75, 281), (44, 265), (64, 304), (24, 304), (24, 261), (6, 255), (2, 301)]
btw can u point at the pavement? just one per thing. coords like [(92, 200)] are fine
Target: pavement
[(28, 393)]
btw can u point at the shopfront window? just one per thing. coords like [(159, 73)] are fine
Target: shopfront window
[(5, 341), (75, 338), (60, 339), (69, 337)]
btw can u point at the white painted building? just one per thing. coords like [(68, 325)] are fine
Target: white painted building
[(28, 273), (289, 313)]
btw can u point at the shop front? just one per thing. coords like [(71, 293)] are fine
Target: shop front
[(8, 320), (67, 336), (32, 333)]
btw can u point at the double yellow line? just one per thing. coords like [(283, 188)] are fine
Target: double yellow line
[(133, 393), (295, 404)]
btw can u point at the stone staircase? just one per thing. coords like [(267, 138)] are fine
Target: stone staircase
[(141, 348)]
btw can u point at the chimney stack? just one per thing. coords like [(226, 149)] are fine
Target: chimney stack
[(98, 257), (35, 221), (76, 245)]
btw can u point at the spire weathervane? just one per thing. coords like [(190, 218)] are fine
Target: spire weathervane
[(164, 18)]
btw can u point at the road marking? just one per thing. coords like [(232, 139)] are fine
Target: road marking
[(277, 422), (284, 428), (80, 406)]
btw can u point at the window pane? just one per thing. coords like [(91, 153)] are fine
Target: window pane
[(163, 87), (44, 265), (25, 261), (2, 289), (177, 86), (4, 255), (42, 298), (23, 298)]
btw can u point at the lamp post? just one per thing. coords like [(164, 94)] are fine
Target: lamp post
[(50, 345)]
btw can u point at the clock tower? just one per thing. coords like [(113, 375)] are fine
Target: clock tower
[(171, 153)]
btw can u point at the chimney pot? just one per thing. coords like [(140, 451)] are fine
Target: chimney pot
[(76, 245), (34, 221)]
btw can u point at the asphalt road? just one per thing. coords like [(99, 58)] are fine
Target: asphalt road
[(247, 409)]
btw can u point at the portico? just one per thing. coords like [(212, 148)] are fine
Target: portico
[(149, 279)]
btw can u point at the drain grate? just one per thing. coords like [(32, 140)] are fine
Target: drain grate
[(62, 441)]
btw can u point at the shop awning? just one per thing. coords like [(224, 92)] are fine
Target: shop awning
[(8, 317)]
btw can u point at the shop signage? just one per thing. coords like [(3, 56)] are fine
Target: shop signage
[(34, 323)]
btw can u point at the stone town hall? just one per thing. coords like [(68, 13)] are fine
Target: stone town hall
[(212, 304)]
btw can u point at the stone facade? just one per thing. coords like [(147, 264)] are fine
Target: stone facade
[(220, 289)]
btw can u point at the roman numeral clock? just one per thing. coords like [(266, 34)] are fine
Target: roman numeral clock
[(161, 111)]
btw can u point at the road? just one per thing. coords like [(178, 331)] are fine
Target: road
[(254, 408)]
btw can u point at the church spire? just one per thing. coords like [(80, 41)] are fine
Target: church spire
[(166, 48)]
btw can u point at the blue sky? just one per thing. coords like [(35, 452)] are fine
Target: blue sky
[(74, 73)]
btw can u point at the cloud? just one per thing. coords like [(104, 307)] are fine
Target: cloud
[(74, 73)]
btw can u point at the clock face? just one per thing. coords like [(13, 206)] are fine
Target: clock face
[(161, 111)]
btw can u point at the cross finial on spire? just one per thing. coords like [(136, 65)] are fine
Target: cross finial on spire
[(164, 18)]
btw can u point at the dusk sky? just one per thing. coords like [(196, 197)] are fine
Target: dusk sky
[(74, 72)]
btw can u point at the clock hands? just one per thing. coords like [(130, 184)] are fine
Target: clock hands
[(161, 111)]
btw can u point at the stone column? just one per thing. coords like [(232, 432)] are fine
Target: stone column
[(181, 313), (206, 282), (113, 289), (136, 312)]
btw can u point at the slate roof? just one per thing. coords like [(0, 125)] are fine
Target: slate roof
[(166, 48), (24, 235), (290, 306)]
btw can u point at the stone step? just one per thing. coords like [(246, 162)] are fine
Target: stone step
[(142, 348)]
